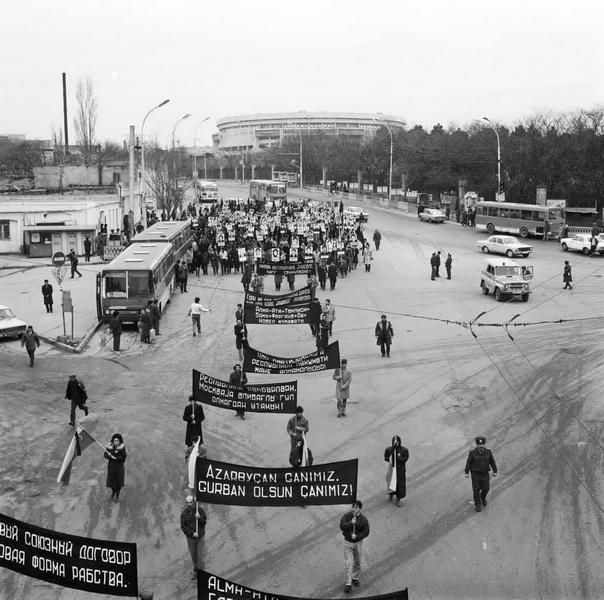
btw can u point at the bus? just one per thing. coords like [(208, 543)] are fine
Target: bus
[(207, 191), (266, 190), (178, 233), (143, 271), (292, 179), (519, 219)]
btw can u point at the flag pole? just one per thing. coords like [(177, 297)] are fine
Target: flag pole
[(95, 440)]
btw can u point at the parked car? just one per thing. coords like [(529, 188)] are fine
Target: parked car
[(358, 213), (505, 278), (432, 215), (581, 242), (504, 244), (10, 326)]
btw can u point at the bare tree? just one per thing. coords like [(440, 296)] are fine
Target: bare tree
[(86, 118)]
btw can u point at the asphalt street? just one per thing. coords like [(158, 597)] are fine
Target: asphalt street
[(535, 395)]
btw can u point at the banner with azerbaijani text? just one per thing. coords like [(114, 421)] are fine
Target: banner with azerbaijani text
[(255, 361), (301, 296), (239, 485), (70, 561), (261, 398), (285, 268), (212, 587)]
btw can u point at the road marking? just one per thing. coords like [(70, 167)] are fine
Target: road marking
[(484, 545)]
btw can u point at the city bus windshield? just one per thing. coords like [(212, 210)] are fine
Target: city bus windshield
[(138, 283), (115, 284)]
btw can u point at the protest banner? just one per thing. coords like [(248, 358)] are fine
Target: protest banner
[(279, 315), (240, 485), (255, 361), (261, 398), (300, 268), (213, 587), (300, 296), (70, 561)]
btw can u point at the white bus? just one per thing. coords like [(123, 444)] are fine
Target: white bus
[(266, 190), (207, 191), (519, 219)]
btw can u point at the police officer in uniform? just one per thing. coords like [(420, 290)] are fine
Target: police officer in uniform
[(480, 462)]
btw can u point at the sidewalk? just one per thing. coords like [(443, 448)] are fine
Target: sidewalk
[(21, 280)]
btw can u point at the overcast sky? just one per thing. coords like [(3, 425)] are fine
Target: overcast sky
[(427, 61)]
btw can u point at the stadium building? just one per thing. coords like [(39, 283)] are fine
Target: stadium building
[(256, 132)]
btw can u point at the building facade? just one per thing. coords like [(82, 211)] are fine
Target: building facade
[(242, 133)]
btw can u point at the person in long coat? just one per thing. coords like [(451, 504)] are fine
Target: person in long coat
[(396, 456), (145, 326), (238, 378), (193, 415), (332, 271), (115, 453), (343, 378)]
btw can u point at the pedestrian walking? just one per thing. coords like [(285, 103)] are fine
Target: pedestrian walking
[(115, 453), (76, 393), (330, 313), (323, 333), (433, 266), (332, 273), (31, 341), (322, 274), (377, 239), (115, 327), (367, 257), (87, 248), (47, 296), (74, 263), (297, 428), (246, 277), (314, 315), (155, 315), (480, 462), (396, 456), (343, 379), (383, 335), (567, 276), (257, 283), (313, 284), (355, 528), (241, 342), (448, 264), (238, 378), (195, 311), (239, 313), (193, 521), (291, 280), (193, 415)]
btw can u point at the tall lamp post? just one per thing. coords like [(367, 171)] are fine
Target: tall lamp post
[(382, 121), (492, 125), (174, 145), (195, 155), (142, 180)]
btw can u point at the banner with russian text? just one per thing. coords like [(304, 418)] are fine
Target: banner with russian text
[(301, 296), (261, 398), (70, 561), (212, 587), (239, 485), (285, 268), (255, 361), (280, 315)]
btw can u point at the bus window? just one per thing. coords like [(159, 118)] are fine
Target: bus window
[(138, 283), (514, 213), (503, 212), (115, 284)]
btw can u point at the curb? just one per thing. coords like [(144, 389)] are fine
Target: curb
[(73, 349)]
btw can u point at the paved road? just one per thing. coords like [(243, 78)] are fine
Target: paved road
[(537, 399)]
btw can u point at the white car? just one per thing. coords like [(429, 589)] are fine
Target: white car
[(10, 326), (358, 213), (432, 215), (504, 244), (581, 242)]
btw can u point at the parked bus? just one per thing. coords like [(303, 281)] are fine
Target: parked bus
[(519, 219), (143, 271), (207, 191), (177, 233), (266, 190)]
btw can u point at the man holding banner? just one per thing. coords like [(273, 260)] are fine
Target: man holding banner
[(355, 528), (193, 524)]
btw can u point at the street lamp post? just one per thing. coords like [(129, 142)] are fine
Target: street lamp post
[(385, 124), (195, 155), (142, 179), (492, 125), (174, 146)]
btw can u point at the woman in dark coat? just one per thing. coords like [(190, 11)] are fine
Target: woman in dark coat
[(193, 415), (396, 478), (145, 326), (115, 453)]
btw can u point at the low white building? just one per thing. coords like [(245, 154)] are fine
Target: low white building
[(39, 225)]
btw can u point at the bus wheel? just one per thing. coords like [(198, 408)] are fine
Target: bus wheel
[(485, 289), (498, 296), (490, 228), (524, 232), (525, 297)]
